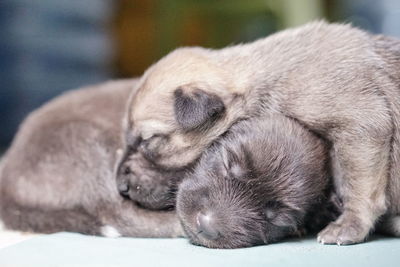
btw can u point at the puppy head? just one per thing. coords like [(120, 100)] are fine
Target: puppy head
[(183, 103), (142, 182), (255, 186)]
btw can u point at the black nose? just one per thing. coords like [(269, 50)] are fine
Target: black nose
[(206, 226), (123, 189)]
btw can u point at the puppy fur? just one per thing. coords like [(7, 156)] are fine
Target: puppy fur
[(58, 174), (336, 80), (260, 183)]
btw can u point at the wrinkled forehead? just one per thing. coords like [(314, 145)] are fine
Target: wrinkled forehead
[(152, 120)]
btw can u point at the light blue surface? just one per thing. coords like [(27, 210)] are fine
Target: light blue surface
[(66, 249)]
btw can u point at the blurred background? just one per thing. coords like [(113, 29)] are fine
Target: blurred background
[(49, 46)]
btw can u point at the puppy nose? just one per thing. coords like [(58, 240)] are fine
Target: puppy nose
[(123, 189), (206, 226)]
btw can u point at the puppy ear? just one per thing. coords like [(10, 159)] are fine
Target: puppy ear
[(280, 215), (239, 164), (197, 109)]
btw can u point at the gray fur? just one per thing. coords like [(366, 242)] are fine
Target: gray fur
[(58, 174), (263, 181), (336, 80)]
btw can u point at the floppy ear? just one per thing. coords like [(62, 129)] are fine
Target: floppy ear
[(197, 109), (282, 216), (239, 163)]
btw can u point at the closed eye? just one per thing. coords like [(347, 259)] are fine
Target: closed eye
[(153, 142), (133, 142)]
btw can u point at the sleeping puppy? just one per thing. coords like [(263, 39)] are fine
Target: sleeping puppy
[(58, 174), (338, 81), (265, 180)]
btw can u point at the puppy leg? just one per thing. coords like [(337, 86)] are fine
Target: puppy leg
[(361, 184), (130, 220)]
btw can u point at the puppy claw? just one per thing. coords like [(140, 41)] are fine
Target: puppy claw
[(342, 234)]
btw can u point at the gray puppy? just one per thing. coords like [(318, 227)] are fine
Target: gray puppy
[(266, 179), (338, 81), (58, 174)]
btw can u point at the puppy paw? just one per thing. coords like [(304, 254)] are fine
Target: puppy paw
[(343, 233)]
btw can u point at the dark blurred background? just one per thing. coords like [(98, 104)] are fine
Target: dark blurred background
[(49, 46)]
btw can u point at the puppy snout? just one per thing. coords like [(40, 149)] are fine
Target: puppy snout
[(207, 226), (123, 189)]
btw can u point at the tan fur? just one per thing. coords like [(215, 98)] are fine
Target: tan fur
[(338, 81)]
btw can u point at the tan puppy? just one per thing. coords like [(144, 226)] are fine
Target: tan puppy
[(58, 174), (338, 81)]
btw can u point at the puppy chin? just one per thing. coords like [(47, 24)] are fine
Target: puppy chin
[(155, 206), (154, 203), (231, 242)]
